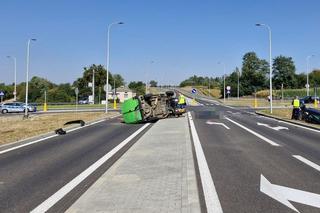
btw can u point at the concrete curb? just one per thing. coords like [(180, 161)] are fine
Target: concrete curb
[(281, 119), (48, 134)]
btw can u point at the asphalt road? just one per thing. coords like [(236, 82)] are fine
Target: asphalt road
[(238, 159), (31, 174)]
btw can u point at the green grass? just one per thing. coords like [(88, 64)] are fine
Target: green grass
[(287, 93)]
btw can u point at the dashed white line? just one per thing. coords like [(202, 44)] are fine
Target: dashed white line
[(51, 201), (254, 133), (210, 194), (306, 161)]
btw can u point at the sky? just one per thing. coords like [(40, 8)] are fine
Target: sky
[(165, 40)]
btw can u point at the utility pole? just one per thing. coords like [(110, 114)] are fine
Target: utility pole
[(93, 86), (27, 77)]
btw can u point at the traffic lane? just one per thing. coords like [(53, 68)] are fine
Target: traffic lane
[(236, 160), (31, 174), (295, 140)]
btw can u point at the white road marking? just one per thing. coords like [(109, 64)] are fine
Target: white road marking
[(47, 204), (284, 194), (221, 124), (254, 133), (229, 106), (277, 128), (302, 127), (306, 161), (210, 194), (51, 136), (230, 112)]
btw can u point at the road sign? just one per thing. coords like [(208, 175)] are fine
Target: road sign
[(109, 88), (228, 91), (194, 91), (228, 88), (76, 90), (89, 84), (1, 93)]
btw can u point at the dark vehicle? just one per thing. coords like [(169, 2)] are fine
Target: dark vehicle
[(310, 115), (309, 99)]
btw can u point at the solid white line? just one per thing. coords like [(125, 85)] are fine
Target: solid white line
[(210, 194), (47, 204), (26, 144), (302, 127), (306, 161), (254, 133), (51, 136)]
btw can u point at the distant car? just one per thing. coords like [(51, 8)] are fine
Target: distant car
[(83, 102), (16, 107), (309, 99)]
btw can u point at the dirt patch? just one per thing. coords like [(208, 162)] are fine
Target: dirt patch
[(16, 128)]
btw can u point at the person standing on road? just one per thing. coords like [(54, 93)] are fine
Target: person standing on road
[(296, 108), (182, 100)]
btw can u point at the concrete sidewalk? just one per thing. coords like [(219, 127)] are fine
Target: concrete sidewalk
[(156, 174)]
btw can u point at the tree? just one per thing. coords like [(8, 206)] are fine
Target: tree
[(119, 81), (232, 81), (153, 83), (314, 77), (100, 78), (283, 72), (138, 87), (301, 80), (254, 71)]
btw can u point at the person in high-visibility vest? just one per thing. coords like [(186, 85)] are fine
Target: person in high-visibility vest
[(296, 108), (182, 100)]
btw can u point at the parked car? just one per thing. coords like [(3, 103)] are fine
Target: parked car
[(309, 99), (16, 107), (83, 102)]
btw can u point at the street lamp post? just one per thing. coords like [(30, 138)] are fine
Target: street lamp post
[(15, 77), (238, 84), (27, 76), (270, 61), (308, 63), (108, 59), (93, 86), (224, 80)]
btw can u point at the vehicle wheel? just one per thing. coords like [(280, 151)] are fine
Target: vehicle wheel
[(4, 111)]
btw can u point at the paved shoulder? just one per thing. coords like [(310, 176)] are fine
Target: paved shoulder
[(156, 175)]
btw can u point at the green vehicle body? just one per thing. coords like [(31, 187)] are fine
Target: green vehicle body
[(131, 111)]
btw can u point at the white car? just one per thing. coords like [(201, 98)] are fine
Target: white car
[(16, 107)]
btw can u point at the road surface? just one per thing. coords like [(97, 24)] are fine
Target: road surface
[(31, 174), (247, 153)]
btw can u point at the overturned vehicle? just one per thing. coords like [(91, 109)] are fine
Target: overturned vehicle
[(151, 107)]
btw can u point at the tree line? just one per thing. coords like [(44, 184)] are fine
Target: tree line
[(254, 76), (65, 92)]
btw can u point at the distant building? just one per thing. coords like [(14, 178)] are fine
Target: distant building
[(123, 93)]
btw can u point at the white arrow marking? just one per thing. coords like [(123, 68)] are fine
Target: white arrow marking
[(284, 194), (215, 123), (277, 128)]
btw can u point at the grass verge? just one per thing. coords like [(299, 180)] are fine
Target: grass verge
[(14, 128)]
